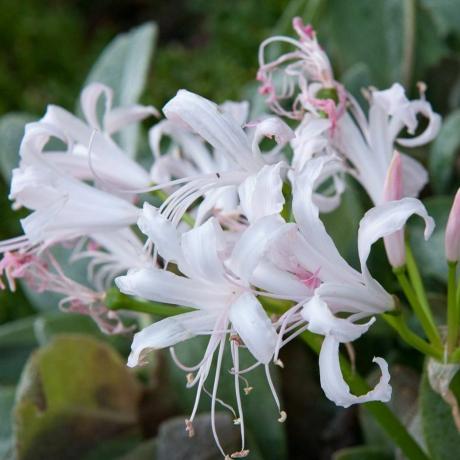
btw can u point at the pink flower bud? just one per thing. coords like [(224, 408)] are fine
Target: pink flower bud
[(392, 191), (452, 241)]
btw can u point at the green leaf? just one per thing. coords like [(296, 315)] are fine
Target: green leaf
[(342, 223), (258, 405), (11, 133), (17, 341), (362, 453), (446, 14), (441, 435), (48, 326), (444, 151), (6, 407), (143, 451), (124, 65), (430, 254), (73, 394)]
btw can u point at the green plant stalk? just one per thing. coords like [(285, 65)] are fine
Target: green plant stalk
[(115, 300), (412, 339), (381, 413), (424, 316), (452, 308), (417, 282)]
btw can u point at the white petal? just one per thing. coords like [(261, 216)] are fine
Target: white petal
[(163, 286), (239, 111), (253, 325), (415, 176), (317, 246), (220, 130), (201, 247), (168, 332), (270, 278), (254, 243), (88, 100), (354, 298), (120, 117), (272, 127), (430, 132), (161, 232), (321, 321), (334, 385), (261, 194), (384, 220)]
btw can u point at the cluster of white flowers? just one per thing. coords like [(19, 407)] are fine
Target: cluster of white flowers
[(238, 223)]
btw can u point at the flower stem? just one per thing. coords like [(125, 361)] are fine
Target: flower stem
[(452, 308), (412, 339), (382, 414), (115, 300), (422, 310)]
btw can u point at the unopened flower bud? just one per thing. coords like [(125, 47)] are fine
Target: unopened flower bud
[(393, 190), (452, 241)]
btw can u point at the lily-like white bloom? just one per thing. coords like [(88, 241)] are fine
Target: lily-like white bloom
[(223, 303), (226, 136), (308, 253), (89, 151), (452, 238), (64, 207)]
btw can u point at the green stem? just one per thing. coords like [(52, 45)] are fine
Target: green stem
[(399, 325), (417, 282), (422, 312), (382, 414), (115, 300), (452, 308)]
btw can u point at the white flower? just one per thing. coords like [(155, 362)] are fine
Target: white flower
[(242, 153), (64, 207), (89, 153), (222, 300), (338, 288)]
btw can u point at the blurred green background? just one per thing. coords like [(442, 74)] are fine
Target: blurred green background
[(210, 47)]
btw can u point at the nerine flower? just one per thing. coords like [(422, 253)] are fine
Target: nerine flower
[(332, 286), (250, 166), (88, 151), (223, 302)]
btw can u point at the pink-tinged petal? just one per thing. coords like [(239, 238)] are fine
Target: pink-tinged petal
[(252, 324), (270, 278), (161, 232), (201, 247), (452, 238), (334, 385), (89, 103), (169, 332), (261, 194), (219, 129), (254, 244), (385, 220), (163, 286), (120, 117), (321, 321), (393, 190)]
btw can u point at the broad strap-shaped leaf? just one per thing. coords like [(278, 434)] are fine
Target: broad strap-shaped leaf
[(124, 65)]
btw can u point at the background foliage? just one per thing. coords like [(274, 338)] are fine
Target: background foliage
[(210, 47)]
